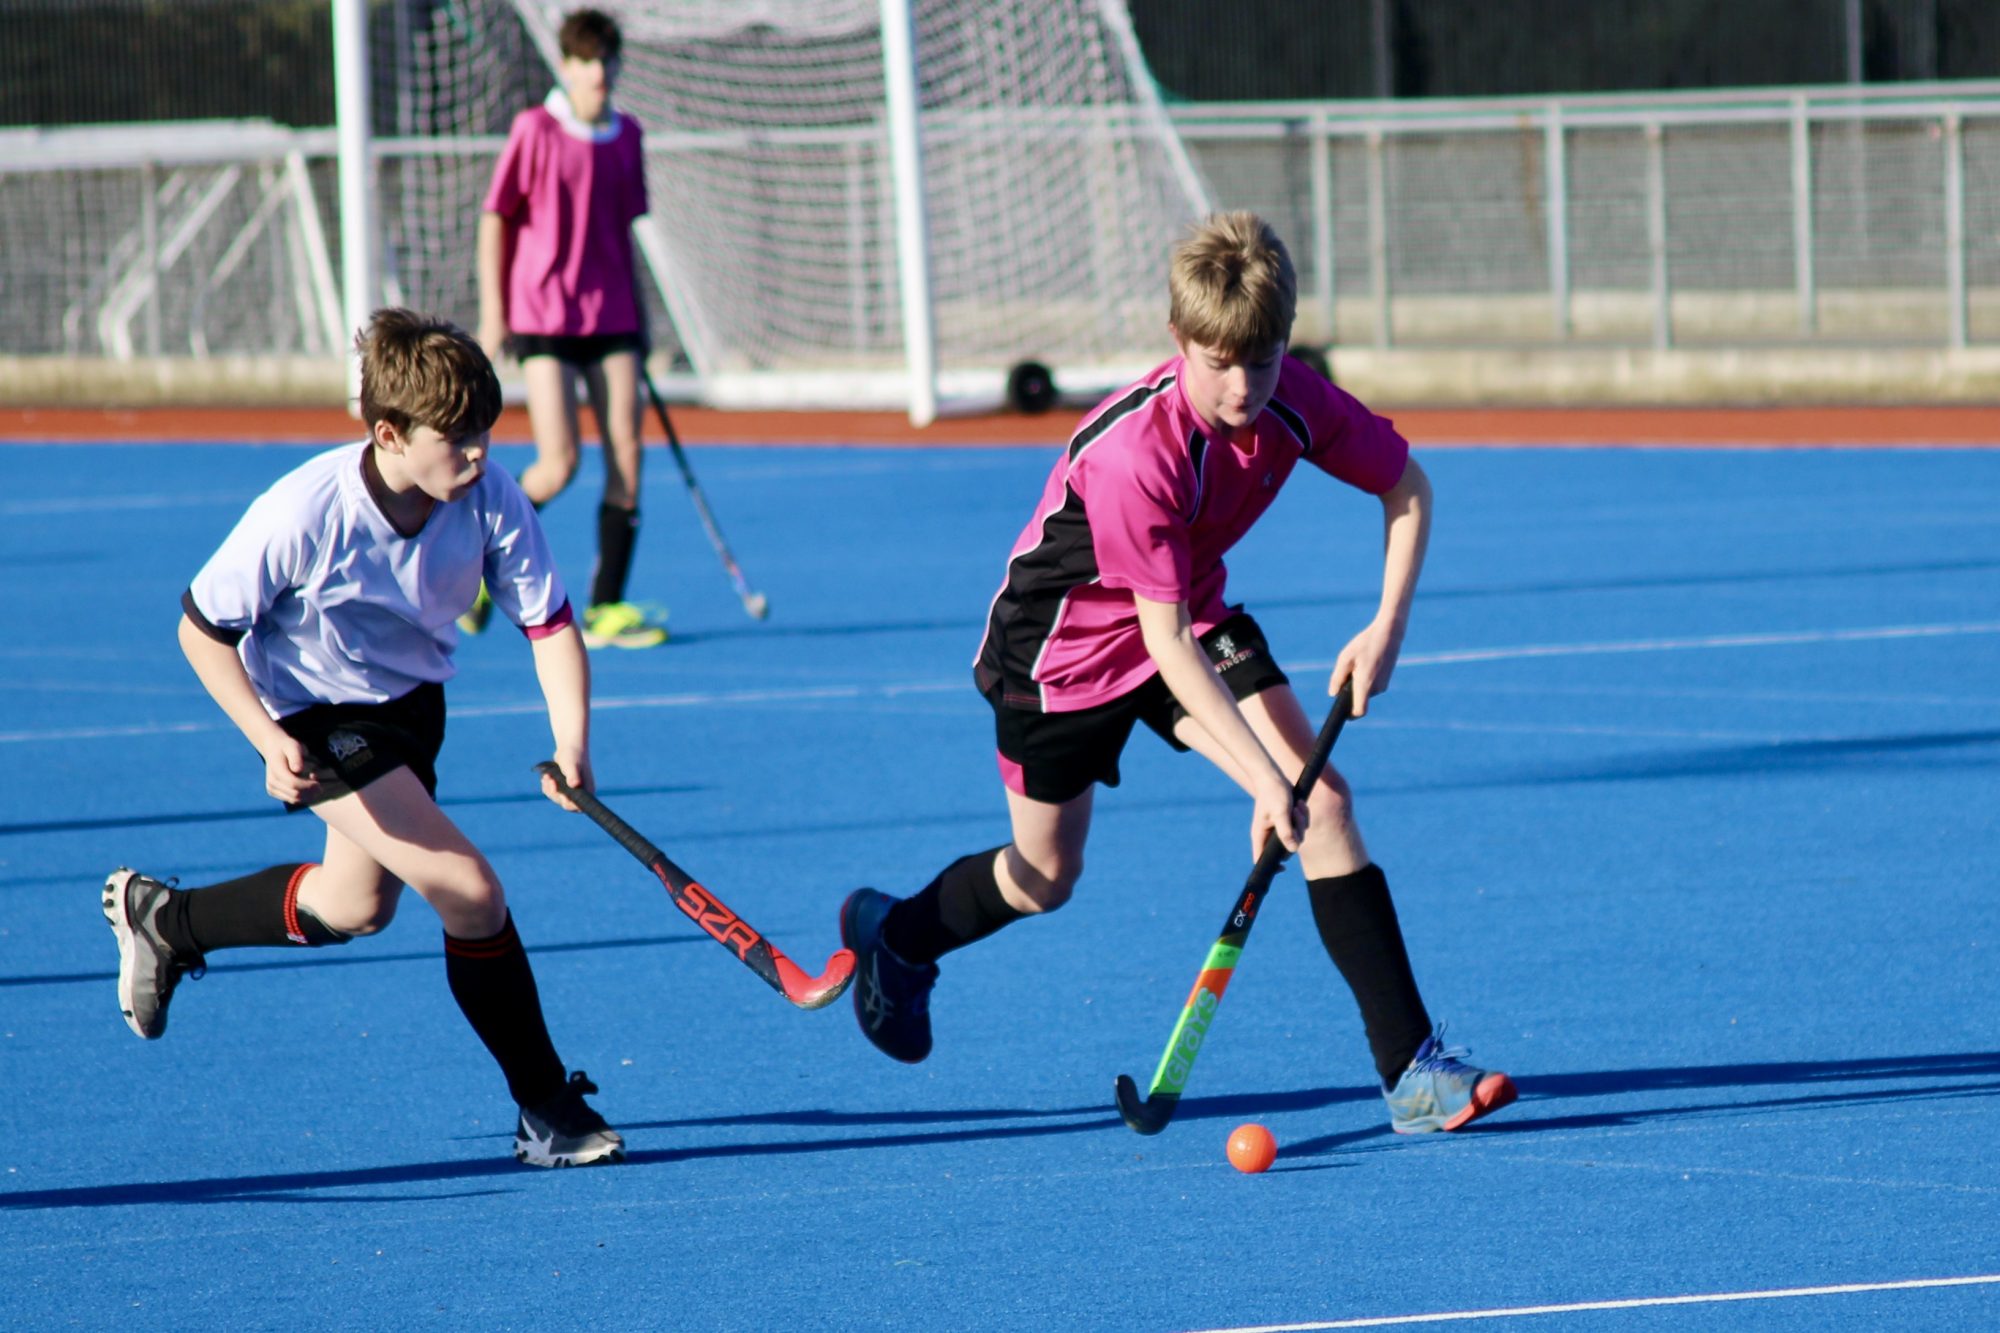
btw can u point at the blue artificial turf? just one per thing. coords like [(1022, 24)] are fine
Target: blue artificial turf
[(1686, 788)]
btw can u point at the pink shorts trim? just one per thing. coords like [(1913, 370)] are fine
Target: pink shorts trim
[(1010, 773)]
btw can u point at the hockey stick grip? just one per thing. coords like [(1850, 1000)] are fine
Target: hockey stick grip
[(1329, 732), (1273, 857), (621, 832)]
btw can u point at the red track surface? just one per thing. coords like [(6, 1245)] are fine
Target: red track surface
[(1872, 426)]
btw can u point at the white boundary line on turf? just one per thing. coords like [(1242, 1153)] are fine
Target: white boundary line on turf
[(115, 503), (890, 691), (1781, 638), (1715, 1298)]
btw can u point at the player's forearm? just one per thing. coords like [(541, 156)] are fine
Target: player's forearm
[(1406, 535), (221, 673), (492, 251), (563, 668)]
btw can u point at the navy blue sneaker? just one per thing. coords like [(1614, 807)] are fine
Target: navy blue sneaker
[(892, 999), (1440, 1091)]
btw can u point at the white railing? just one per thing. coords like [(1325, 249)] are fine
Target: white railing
[(1852, 212), (1852, 215)]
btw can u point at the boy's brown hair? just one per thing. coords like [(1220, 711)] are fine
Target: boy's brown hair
[(590, 34), (418, 370), (1232, 286)]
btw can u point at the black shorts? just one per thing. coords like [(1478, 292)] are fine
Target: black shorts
[(1054, 757), (358, 743), (581, 350)]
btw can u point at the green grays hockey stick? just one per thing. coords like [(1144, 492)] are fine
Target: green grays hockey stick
[(1151, 1115)]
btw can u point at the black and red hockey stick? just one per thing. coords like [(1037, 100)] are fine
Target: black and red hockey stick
[(728, 929), (1151, 1116)]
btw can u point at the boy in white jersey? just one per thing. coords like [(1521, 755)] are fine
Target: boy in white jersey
[(557, 289), (1113, 613), (323, 628)]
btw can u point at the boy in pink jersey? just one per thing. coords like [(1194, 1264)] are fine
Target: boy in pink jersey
[(557, 289), (1113, 613)]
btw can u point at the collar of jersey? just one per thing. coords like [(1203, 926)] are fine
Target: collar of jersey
[(557, 105)]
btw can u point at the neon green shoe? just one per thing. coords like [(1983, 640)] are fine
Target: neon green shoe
[(481, 611), (620, 625)]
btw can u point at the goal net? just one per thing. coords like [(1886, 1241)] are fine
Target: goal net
[(1052, 186), (796, 257)]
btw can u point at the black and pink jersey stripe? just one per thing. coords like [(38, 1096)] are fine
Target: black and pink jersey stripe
[(1146, 499)]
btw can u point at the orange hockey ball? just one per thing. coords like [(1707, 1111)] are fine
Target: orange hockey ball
[(1252, 1149)]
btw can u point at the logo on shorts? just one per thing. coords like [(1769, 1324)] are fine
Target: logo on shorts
[(345, 745), (1227, 654)]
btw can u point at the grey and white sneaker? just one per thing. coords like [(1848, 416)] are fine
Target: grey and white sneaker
[(565, 1131), (148, 969)]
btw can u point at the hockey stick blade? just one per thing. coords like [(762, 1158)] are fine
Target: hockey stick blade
[(709, 912), (1147, 1115), (1151, 1115)]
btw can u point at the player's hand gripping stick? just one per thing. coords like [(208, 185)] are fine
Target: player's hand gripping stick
[(1151, 1116), (708, 912)]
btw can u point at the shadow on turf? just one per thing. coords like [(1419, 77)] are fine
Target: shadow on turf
[(1922, 1071), (1775, 757), (321, 958), (272, 810), (291, 1187)]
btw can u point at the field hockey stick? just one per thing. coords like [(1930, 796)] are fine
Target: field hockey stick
[(754, 602), (1151, 1116), (728, 929)]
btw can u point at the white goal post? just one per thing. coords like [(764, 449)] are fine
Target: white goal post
[(867, 203)]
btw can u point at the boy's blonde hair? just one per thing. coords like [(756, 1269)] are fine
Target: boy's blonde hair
[(418, 370), (1232, 285)]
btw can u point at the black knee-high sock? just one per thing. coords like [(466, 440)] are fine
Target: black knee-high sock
[(1357, 924), (495, 988), (258, 909), (961, 905), (617, 533)]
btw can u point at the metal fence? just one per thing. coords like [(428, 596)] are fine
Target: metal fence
[(1746, 218), (1809, 217)]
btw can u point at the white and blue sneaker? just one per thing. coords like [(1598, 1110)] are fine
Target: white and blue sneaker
[(1439, 1091), (892, 998)]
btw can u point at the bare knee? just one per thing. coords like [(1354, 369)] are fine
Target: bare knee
[(374, 919), (1331, 805), (1040, 883), (1333, 840), (466, 895), (351, 905), (549, 475)]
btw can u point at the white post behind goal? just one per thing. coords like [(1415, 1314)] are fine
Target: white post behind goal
[(354, 114), (903, 101), (807, 262)]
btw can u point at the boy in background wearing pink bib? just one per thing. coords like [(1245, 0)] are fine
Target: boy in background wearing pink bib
[(557, 290)]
